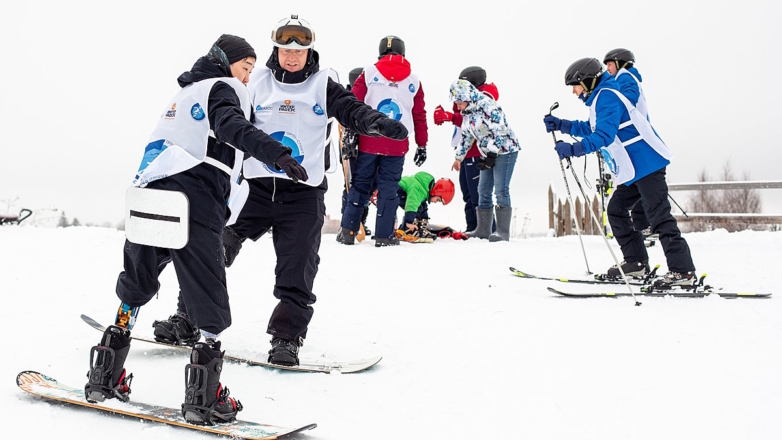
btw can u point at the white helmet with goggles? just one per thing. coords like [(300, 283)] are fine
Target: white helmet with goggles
[(293, 33)]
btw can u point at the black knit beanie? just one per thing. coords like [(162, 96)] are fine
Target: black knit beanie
[(235, 48)]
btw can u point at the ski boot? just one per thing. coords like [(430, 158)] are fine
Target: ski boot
[(107, 376), (636, 269), (285, 352), (177, 330), (206, 400), (684, 280)]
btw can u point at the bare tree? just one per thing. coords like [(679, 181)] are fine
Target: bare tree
[(723, 201)]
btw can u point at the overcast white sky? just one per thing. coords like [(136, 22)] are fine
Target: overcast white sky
[(82, 83)]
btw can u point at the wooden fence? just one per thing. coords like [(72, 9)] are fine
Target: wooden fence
[(563, 223)]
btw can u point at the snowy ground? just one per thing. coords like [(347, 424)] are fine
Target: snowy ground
[(469, 351)]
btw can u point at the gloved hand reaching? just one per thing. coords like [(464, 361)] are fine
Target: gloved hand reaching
[(292, 168), (487, 163), (232, 244), (387, 127), (420, 156), (555, 124), (565, 149), (440, 115)]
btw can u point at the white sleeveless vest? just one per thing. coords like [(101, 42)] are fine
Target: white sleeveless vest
[(641, 104), (615, 155), (394, 99), (295, 115), (179, 140)]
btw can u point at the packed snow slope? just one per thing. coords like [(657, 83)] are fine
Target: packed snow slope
[(469, 350)]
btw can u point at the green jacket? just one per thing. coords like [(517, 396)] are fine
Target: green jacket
[(416, 193)]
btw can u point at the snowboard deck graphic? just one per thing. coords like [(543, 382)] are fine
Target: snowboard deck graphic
[(304, 365), (44, 386)]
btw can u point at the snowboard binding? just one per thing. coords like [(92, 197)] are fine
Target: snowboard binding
[(207, 402), (107, 376), (176, 330)]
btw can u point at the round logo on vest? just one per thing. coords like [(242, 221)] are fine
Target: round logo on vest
[(390, 108), (609, 160), (289, 140), (197, 112)]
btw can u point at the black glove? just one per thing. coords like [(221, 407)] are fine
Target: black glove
[(390, 128), (486, 163), (349, 144), (291, 167), (232, 244), (420, 156)]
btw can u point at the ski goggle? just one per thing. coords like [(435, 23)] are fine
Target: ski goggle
[(286, 35)]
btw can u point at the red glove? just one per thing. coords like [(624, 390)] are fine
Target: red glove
[(441, 115), (444, 233), (459, 236)]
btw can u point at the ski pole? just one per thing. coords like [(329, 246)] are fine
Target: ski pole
[(597, 223), (569, 198), (677, 205)]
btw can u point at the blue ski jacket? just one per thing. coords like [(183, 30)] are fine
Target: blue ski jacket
[(610, 113)]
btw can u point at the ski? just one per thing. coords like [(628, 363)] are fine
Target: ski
[(304, 365), (50, 389), (661, 293), (633, 282)]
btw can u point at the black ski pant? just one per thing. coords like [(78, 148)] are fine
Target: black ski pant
[(640, 222), (199, 268), (296, 232), (652, 192), (468, 183)]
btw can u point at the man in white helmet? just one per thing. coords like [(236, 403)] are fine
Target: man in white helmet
[(292, 100)]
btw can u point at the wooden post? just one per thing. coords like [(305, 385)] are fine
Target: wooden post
[(560, 223), (550, 208), (596, 211), (568, 221), (579, 214)]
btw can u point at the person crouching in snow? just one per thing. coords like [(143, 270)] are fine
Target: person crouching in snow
[(484, 121), (415, 193)]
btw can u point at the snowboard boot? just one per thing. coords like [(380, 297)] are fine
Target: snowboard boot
[(206, 400), (107, 376), (483, 230), (178, 329), (504, 215), (346, 236), (383, 242), (636, 269), (284, 352), (676, 279)]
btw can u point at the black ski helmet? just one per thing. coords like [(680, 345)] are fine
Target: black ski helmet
[(586, 73), (353, 75), (391, 45), (622, 57), (475, 75)]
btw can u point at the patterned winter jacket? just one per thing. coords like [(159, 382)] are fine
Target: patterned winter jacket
[(484, 122)]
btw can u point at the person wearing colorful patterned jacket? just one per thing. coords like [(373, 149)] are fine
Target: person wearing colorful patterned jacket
[(392, 88), (468, 172), (637, 158), (485, 123)]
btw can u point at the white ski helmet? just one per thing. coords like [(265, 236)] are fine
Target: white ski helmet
[(293, 33)]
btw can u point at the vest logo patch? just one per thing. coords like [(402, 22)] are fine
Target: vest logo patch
[(263, 109), (412, 89), (394, 85), (289, 140), (317, 109), (287, 108), (171, 114), (197, 112), (390, 108)]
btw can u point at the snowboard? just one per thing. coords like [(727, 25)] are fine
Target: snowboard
[(305, 365), (44, 386)]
